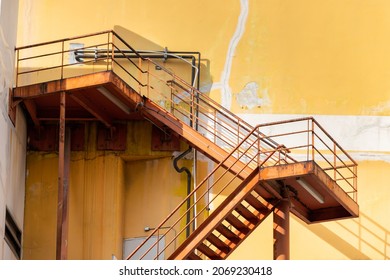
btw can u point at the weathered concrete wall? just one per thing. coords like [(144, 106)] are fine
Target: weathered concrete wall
[(12, 138)]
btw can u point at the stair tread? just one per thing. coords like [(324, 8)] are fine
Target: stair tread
[(228, 233), (209, 252), (213, 239), (255, 203), (235, 222), (193, 256), (247, 214)]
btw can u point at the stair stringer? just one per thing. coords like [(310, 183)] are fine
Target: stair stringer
[(157, 114), (219, 215)]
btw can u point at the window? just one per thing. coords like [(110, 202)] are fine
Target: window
[(13, 235), (72, 55)]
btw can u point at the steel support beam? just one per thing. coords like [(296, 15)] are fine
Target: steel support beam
[(282, 230), (63, 184)]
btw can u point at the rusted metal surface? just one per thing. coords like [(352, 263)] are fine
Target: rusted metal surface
[(164, 140), (113, 139), (63, 184), (32, 110), (281, 230), (11, 107), (305, 206), (92, 108), (45, 138)]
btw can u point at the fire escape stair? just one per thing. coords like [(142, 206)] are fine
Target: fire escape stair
[(258, 187), (229, 224)]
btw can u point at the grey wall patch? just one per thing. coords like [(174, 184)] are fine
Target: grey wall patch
[(248, 97)]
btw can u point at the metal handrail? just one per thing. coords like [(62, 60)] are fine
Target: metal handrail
[(222, 164), (350, 179)]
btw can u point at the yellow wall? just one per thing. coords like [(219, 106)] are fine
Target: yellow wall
[(288, 58), (112, 196)]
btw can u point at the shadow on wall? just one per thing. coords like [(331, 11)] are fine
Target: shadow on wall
[(359, 239), (142, 44)]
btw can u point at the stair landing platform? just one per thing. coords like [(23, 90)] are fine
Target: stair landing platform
[(314, 196)]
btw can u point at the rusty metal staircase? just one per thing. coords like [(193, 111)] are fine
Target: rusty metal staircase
[(252, 172)]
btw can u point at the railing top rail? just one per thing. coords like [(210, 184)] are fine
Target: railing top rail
[(318, 125), (80, 37), (334, 141), (64, 39)]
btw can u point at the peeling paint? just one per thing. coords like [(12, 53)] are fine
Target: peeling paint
[(248, 97), (382, 108), (242, 19)]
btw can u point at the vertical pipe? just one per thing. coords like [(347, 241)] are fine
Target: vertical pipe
[(189, 177), (281, 230), (63, 179)]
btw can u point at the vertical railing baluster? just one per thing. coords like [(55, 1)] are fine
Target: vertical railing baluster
[(62, 60), (140, 75), (108, 50), (308, 140), (158, 243), (334, 161), (17, 68), (215, 126), (355, 182), (312, 140), (148, 81)]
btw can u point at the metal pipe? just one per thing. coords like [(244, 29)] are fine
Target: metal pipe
[(189, 176), (101, 53)]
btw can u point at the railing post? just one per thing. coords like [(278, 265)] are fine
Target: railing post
[(355, 182), (148, 81), (238, 138), (215, 126), (17, 68), (258, 148), (334, 161), (308, 140), (312, 140), (140, 75), (62, 60), (158, 244), (108, 50), (192, 108)]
